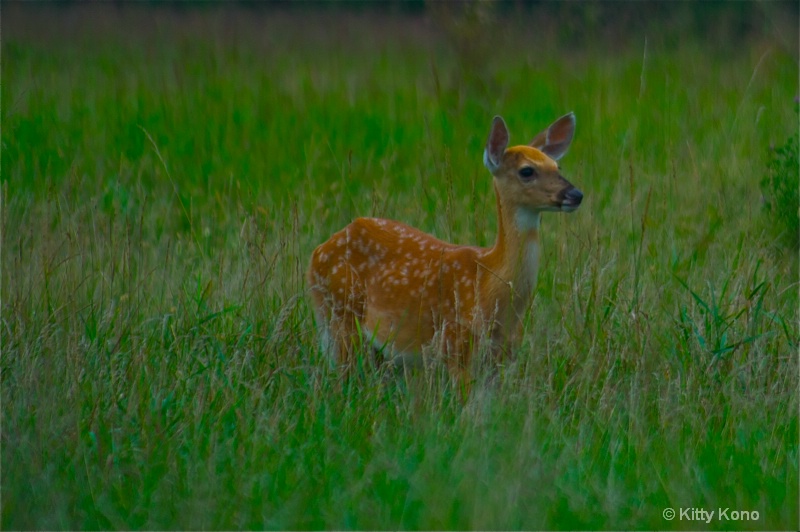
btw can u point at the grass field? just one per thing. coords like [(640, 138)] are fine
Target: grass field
[(166, 175)]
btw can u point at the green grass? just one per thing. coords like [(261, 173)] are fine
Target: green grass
[(165, 179)]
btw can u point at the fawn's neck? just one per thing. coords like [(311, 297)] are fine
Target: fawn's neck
[(515, 255)]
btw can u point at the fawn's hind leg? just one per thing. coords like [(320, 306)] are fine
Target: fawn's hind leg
[(346, 309)]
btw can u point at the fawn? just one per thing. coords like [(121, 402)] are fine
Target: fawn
[(413, 295)]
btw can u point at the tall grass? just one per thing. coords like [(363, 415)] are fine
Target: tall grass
[(165, 179)]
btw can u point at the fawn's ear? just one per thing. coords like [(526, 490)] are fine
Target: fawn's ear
[(496, 144), (555, 140)]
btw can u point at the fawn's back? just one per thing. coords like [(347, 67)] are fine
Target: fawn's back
[(400, 284)]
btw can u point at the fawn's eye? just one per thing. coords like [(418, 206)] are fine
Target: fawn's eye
[(527, 173)]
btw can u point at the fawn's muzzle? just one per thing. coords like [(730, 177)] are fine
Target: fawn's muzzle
[(570, 198)]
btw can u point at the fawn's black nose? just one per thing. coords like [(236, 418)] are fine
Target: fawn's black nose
[(573, 196), (570, 198)]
